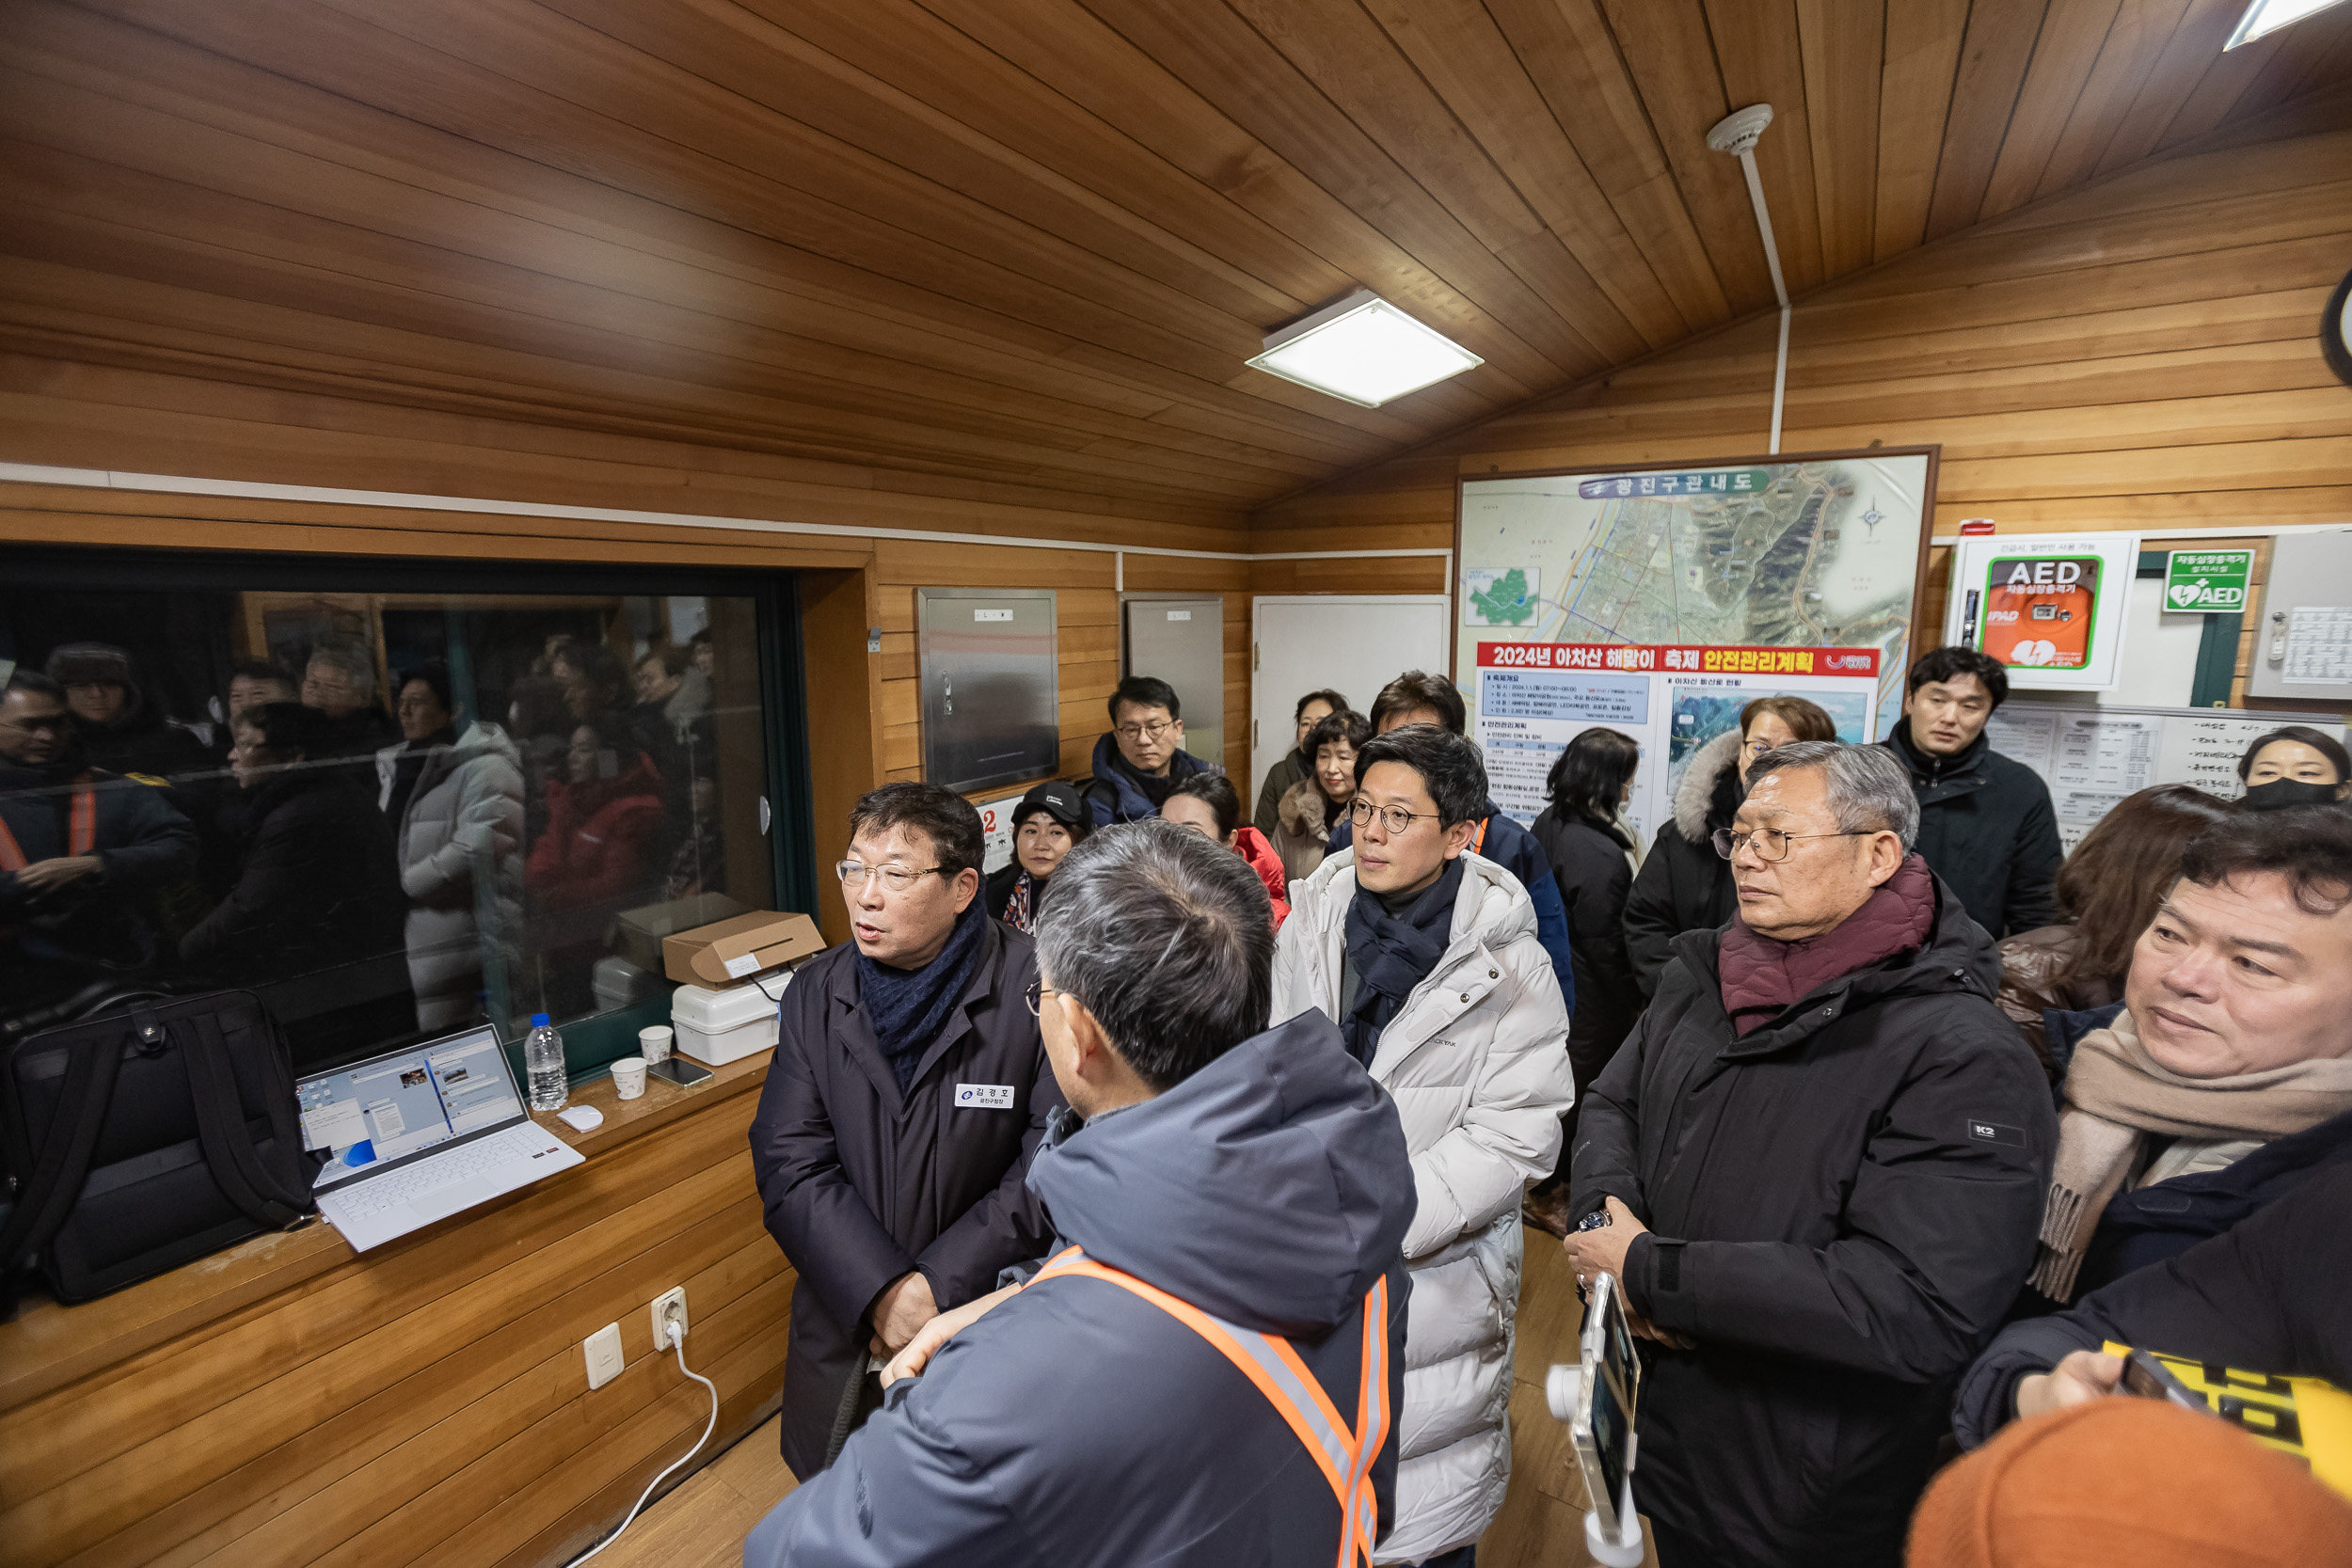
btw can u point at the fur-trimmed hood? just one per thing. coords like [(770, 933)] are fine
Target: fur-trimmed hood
[(1695, 798), (1300, 811)]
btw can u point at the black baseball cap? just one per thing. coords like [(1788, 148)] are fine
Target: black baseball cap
[(1056, 799)]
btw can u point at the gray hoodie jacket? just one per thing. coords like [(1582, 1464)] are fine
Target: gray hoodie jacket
[(1079, 1424)]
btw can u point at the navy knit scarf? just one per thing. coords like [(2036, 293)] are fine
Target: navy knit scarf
[(1393, 953), (907, 1007)]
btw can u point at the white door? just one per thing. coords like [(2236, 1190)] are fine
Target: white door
[(1353, 643)]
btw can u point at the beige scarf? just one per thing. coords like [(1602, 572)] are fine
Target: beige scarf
[(2118, 1095)]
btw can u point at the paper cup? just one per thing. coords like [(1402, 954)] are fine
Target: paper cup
[(653, 1044), (629, 1077)]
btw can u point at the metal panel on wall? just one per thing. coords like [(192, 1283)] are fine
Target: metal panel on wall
[(991, 685), (1181, 640), (2303, 643)]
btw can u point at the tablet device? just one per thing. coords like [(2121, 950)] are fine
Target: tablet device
[(1603, 1434), (1608, 1341)]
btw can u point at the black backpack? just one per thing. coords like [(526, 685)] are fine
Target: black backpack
[(147, 1139)]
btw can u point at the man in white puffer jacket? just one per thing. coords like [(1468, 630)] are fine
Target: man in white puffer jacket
[(1425, 953)]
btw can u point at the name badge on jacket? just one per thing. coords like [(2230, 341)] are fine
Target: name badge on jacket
[(984, 1096)]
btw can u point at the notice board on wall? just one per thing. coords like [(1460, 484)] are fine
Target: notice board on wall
[(1658, 601), (2091, 757)]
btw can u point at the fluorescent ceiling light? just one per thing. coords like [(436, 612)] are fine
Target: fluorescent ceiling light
[(2268, 16), (1363, 350)]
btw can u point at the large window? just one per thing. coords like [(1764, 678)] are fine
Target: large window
[(393, 800)]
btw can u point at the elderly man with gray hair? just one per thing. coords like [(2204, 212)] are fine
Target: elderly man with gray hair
[(1816, 1168), (1208, 1368)]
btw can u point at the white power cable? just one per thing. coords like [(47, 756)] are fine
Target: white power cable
[(677, 1345)]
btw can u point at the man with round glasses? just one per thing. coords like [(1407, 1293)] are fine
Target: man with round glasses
[(908, 1088), (1816, 1169), (1425, 954), (1142, 759)]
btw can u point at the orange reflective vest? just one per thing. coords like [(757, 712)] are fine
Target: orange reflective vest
[(1344, 1453), (81, 831)]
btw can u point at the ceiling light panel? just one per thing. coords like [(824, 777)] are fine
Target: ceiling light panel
[(1365, 351), (2268, 16)]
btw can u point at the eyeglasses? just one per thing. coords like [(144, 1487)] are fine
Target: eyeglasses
[(1035, 996), (1395, 818), (896, 879), (1758, 748), (61, 724), (1131, 733), (1771, 844)]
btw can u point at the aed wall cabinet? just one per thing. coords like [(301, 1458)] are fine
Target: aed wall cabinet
[(1180, 639), (991, 685)]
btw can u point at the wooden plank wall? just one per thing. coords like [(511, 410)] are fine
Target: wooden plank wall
[(2139, 355), (288, 1402)]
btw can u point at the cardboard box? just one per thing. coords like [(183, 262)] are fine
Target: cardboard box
[(736, 949), (642, 929)]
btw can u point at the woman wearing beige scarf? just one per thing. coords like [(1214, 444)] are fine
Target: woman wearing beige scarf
[(2237, 1026)]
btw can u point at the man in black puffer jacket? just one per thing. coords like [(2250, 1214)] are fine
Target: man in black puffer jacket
[(1821, 1156), (1986, 825)]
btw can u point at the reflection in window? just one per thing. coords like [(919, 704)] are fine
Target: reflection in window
[(391, 815)]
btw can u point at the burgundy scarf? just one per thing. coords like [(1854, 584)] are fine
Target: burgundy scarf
[(1760, 976)]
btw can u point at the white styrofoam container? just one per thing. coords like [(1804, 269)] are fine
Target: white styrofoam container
[(716, 1027)]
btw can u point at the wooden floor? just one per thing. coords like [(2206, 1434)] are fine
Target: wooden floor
[(702, 1523)]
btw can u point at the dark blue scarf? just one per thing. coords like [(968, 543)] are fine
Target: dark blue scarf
[(1393, 953), (907, 1007)]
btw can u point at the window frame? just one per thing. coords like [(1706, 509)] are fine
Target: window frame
[(590, 1043)]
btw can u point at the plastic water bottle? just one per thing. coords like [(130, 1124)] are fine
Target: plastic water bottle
[(543, 1056)]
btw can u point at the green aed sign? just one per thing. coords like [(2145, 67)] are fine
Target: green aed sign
[(2207, 582)]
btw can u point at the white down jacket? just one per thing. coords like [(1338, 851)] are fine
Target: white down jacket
[(1477, 1063), (461, 864)]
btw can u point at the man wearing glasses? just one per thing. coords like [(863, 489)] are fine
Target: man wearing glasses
[(1816, 1168), (1143, 756), (1425, 953), (83, 851), (908, 1091)]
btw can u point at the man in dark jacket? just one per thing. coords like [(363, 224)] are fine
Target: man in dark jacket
[(1986, 825), (1231, 1215), (908, 1090), (123, 730), (80, 850), (1143, 755), (1418, 698), (318, 888), (1821, 1159), (2273, 1295)]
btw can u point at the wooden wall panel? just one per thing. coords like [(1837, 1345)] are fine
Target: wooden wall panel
[(288, 1402), (2139, 355)]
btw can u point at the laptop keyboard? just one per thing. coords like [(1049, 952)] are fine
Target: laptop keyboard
[(464, 1163)]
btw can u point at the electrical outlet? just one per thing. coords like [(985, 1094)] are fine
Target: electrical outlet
[(671, 1302), (604, 1354)]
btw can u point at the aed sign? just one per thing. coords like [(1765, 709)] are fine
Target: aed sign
[(2207, 582)]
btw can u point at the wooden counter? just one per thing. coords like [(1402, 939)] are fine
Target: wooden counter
[(288, 1402)]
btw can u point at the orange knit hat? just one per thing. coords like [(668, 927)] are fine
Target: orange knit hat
[(2132, 1481)]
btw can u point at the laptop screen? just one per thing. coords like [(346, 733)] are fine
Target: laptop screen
[(376, 1112)]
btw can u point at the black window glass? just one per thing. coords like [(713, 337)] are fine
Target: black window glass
[(391, 813)]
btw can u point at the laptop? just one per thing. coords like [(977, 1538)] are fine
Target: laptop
[(420, 1133)]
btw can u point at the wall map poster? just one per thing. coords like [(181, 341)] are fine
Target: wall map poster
[(1658, 601)]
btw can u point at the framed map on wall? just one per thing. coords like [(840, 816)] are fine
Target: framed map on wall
[(1656, 601)]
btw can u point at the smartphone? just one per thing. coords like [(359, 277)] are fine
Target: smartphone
[(678, 1071), (2144, 1377), (1608, 1341), (1603, 1434)]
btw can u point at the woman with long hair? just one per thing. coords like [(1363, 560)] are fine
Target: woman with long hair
[(2110, 888)]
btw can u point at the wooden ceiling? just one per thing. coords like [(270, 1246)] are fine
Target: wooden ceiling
[(1025, 244)]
